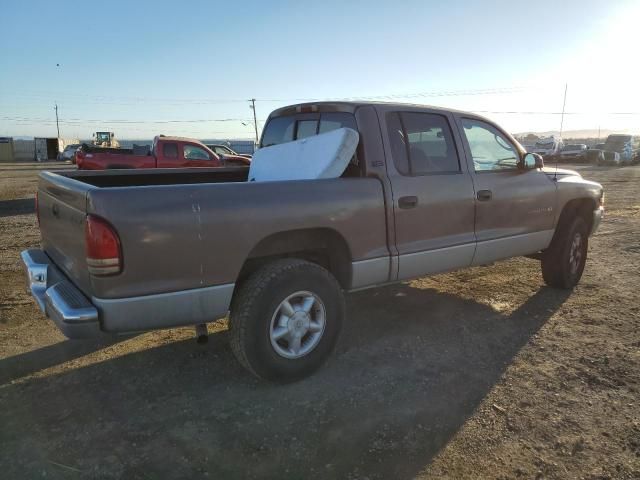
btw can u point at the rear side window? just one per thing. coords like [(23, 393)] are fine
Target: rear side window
[(294, 127), (422, 143), (170, 150)]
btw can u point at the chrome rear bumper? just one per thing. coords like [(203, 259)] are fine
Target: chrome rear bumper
[(58, 298), (79, 317)]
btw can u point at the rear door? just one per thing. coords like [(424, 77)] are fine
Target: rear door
[(433, 198), (515, 207)]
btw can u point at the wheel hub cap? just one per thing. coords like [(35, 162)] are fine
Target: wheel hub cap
[(297, 325)]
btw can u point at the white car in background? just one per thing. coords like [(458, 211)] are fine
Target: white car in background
[(69, 153), (574, 151), (548, 146)]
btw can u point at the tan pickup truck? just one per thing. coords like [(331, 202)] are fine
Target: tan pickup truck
[(428, 190)]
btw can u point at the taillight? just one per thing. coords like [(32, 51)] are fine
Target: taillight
[(37, 209), (104, 255)]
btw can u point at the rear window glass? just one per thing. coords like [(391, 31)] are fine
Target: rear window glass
[(306, 128), (294, 127), (278, 130)]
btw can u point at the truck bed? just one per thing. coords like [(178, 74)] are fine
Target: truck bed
[(184, 229), (158, 176)]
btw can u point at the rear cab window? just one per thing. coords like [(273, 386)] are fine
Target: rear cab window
[(302, 125)]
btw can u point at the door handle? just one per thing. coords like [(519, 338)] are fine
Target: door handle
[(484, 195), (407, 202)]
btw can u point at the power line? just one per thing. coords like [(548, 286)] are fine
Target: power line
[(106, 99), (122, 121)]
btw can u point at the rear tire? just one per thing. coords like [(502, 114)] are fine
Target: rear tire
[(276, 345), (563, 262)]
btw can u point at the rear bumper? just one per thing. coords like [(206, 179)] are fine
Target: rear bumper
[(58, 298), (79, 317)]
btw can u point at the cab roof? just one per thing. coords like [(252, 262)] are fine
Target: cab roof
[(352, 106)]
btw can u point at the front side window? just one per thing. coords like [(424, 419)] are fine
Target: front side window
[(191, 152), (422, 143), (490, 149)]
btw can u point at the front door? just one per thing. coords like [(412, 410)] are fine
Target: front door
[(515, 207), (433, 200)]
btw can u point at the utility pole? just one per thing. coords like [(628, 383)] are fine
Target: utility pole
[(255, 122), (564, 102), (57, 125)]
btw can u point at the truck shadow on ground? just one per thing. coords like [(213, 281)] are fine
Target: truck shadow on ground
[(20, 206), (412, 365), (22, 365)]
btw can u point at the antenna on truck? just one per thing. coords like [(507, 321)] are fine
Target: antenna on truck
[(564, 103)]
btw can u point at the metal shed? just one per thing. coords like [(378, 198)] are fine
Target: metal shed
[(6, 149)]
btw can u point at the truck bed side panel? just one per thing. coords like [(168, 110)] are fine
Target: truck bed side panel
[(109, 160), (178, 237)]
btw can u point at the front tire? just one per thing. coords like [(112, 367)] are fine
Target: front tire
[(285, 319), (563, 262)]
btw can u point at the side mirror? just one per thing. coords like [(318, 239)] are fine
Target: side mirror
[(531, 161)]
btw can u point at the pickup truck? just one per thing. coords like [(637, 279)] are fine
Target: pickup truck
[(166, 152), (428, 190)]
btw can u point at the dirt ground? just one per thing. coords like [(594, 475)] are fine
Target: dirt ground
[(483, 373)]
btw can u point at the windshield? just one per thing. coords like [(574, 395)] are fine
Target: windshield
[(103, 137), (222, 150), (545, 145)]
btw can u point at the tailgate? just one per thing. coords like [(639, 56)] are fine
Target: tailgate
[(62, 207)]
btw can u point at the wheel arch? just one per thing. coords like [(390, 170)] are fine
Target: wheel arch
[(323, 246), (582, 207)]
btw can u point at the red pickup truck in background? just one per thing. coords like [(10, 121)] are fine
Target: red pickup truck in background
[(166, 152)]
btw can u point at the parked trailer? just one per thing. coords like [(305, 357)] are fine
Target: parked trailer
[(23, 150), (46, 149)]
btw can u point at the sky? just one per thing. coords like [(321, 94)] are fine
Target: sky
[(141, 68)]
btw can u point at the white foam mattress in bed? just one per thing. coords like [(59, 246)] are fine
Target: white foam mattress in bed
[(321, 156)]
